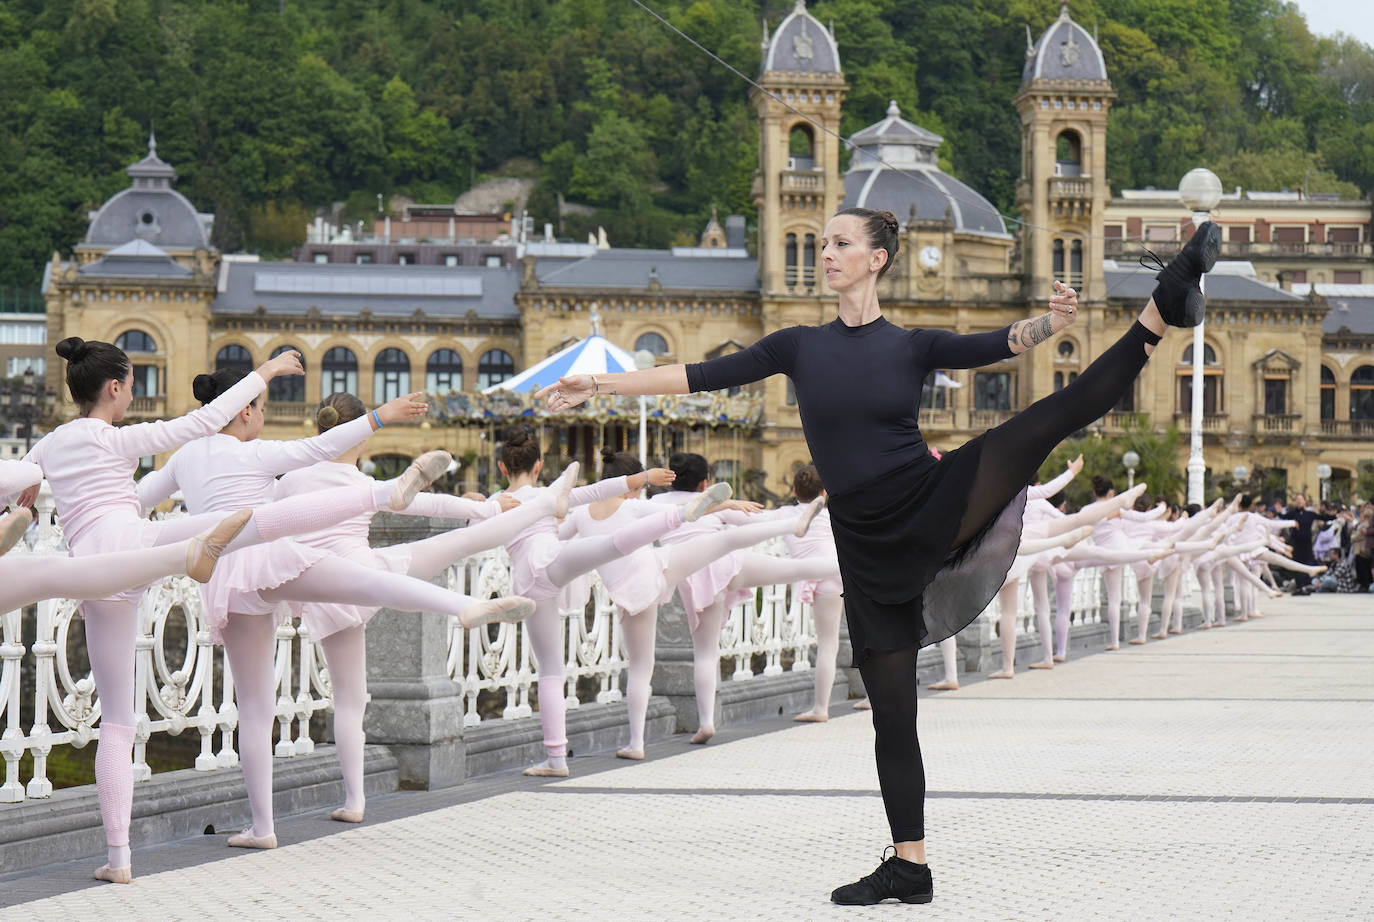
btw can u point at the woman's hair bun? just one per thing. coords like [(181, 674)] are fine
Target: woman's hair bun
[(73, 348), (607, 454), (327, 417), (203, 388), (516, 436), (890, 220)]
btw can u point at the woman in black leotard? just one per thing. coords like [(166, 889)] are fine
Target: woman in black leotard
[(923, 544)]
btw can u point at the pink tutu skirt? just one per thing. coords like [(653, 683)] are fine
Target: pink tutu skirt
[(324, 618), (701, 588), (529, 568), (240, 576), (639, 583), (807, 590)]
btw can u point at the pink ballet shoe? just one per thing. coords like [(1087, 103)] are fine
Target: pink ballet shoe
[(545, 770), (114, 875), (1002, 674), (702, 735), (1113, 648), (943, 686), (1127, 500), (863, 705), (1043, 664), (564, 485), (1060, 658), (246, 839), (808, 515), (511, 609), (634, 755), (203, 552), (701, 505), (423, 471), (1162, 635), (1175, 630), (1135, 642), (12, 528), (345, 815), (811, 717)]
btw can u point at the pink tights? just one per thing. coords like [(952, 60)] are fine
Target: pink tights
[(640, 631), (248, 642), (346, 654)]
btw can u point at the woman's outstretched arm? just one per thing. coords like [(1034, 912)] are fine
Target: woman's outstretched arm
[(1063, 311), (576, 389)]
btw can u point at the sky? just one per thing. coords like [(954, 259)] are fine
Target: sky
[(1353, 17)]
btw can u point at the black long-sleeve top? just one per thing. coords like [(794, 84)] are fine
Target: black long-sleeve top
[(858, 388)]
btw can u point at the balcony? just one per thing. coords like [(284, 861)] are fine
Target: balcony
[(1278, 422), (288, 412), (1071, 187), (1212, 423), (1348, 428), (1116, 249), (147, 407), (1119, 422), (804, 182), (987, 419), (937, 420)]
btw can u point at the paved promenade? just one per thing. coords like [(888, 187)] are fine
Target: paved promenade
[(1219, 775)]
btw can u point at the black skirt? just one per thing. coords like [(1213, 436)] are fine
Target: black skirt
[(905, 581)]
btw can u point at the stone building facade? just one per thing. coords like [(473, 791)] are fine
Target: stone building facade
[(1290, 378)]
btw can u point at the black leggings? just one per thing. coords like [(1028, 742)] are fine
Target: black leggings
[(1011, 455)]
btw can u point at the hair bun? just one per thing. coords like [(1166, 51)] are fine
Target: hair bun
[(203, 388), (73, 349), (607, 454), (326, 418), (890, 220), (516, 436)]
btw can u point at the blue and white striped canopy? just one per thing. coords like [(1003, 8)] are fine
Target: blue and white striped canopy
[(594, 355)]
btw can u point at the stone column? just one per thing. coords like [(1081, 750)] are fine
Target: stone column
[(415, 709)]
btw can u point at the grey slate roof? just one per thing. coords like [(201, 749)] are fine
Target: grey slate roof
[(633, 269), (150, 210), (896, 130), (135, 259), (383, 289), (1131, 281), (1064, 52), (802, 45), (1353, 314)]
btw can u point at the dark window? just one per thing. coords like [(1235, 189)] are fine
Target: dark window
[(390, 375), (1066, 349), (495, 366), (652, 342), (932, 397), (809, 262), (236, 358), (444, 372), (136, 342), (338, 372), (1059, 259), (1346, 276), (992, 390), (1328, 393), (791, 275), (1362, 393), (287, 388), (1275, 396)]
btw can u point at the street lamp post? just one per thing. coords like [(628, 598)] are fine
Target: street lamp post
[(27, 405), (1131, 460), (1200, 191), (643, 359), (1239, 475), (1324, 475)]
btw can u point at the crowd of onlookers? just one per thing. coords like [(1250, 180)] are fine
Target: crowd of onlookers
[(1337, 535)]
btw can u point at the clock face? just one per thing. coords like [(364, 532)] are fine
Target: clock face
[(930, 257)]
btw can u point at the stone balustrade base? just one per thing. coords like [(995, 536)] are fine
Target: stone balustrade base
[(175, 805), (764, 698)]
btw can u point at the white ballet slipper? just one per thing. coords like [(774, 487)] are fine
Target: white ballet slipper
[(423, 471), (114, 875), (345, 815), (511, 609), (701, 505), (204, 551), (12, 528), (808, 516), (246, 839)]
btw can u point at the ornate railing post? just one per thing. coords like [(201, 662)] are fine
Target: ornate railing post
[(416, 708)]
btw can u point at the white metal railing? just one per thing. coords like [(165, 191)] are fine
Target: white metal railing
[(770, 624), (186, 684)]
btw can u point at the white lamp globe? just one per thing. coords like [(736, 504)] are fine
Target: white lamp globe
[(1323, 472), (1130, 459), (1200, 190)]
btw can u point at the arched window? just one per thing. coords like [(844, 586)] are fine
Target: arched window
[(390, 375), (339, 372), (1076, 265), (1068, 154), (992, 390), (1063, 379), (809, 262), (1328, 393), (1058, 258), (801, 148), (137, 342), (1213, 395), (1066, 349), (443, 372), (495, 366), (236, 358), (287, 388), (652, 342), (1362, 393), (791, 261)]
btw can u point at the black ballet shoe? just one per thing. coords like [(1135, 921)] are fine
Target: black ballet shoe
[(895, 878), (1178, 296)]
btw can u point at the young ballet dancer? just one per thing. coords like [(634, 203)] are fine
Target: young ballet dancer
[(825, 596), (234, 469), (89, 464), (541, 565), (709, 593), (923, 544), (641, 581), (340, 628)]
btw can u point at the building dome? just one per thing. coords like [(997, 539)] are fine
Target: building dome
[(1064, 52), (801, 45), (150, 210), (895, 168)]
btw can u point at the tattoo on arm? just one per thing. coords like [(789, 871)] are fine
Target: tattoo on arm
[(1027, 333)]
